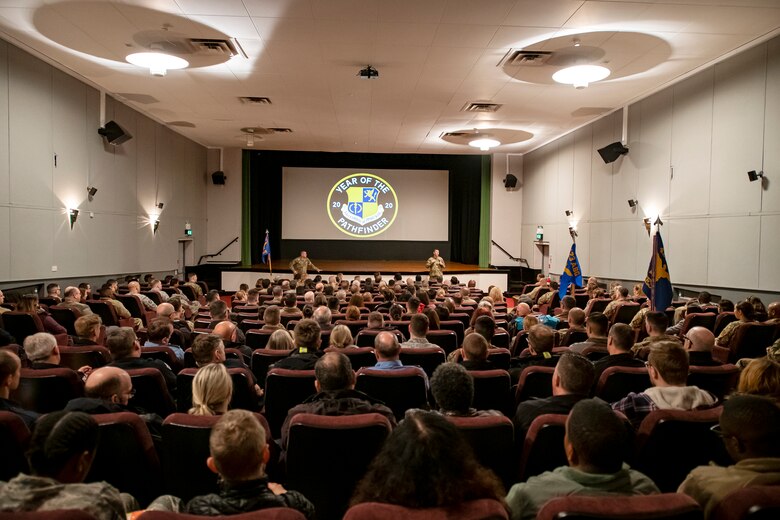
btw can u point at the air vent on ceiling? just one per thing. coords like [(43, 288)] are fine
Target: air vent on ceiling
[(480, 107), (519, 57), (255, 100), (213, 47), (279, 130)]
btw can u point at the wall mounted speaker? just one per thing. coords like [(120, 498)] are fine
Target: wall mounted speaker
[(114, 133), (510, 181), (218, 177), (611, 152)]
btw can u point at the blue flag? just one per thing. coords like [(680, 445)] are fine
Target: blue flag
[(266, 248), (658, 284), (571, 273)]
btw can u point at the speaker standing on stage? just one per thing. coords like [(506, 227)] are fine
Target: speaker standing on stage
[(435, 265), (300, 265)]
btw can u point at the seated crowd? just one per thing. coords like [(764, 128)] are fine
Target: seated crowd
[(204, 346)]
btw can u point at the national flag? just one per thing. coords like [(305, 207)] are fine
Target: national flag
[(658, 284), (571, 273), (266, 248)]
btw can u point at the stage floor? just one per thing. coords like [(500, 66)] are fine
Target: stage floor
[(386, 267)]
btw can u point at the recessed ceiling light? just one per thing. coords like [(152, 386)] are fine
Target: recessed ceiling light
[(158, 63), (484, 144), (581, 75)]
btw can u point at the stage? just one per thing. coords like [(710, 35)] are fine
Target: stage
[(233, 276)]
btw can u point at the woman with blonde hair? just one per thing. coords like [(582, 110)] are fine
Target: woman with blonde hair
[(212, 389), (29, 303), (496, 295), (761, 377), (280, 340), (341, 337)]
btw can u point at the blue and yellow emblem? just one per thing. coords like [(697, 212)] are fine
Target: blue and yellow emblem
[(362, 205)]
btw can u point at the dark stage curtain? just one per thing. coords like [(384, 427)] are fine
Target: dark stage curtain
[(265, 185)]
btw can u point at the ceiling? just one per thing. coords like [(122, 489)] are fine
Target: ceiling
[(433, 57)]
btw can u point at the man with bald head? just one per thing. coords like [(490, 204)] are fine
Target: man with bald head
[(521, 311), (72, 300), (773, 312), (182, 330), (387, 351), (232, 336), (134, 288), (699, 342), (107, 390)]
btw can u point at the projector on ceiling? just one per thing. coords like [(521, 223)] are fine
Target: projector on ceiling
[(368, 73)]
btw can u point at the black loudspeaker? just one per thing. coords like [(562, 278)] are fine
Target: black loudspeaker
[(218, 177), (611, 152), (114, 133), (510, 181)]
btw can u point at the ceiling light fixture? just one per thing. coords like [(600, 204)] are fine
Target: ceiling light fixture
[(581, 75), (484, 143), (158, 63)]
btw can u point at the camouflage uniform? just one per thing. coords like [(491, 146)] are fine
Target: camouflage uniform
[(301, 264), (435, 266)]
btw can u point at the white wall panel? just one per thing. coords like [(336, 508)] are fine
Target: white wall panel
[(69, 140), (506, 208), (529, 250), (601, 174), (653, 181), (124, 181), (32, 244), (769, 274), (5, 238), (564, 197), (5, 179), (692, 144), (626, 171), (583, 150), (583, 247), (70, 245), (101, 157), (734, 252), (601, 249), (548, 202), (686, 242), (226, 225), (771, 197), (146, 166), (29, 108), (737, 137), (623, 250)]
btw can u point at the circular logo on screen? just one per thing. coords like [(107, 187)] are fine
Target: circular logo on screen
[(362, 205)]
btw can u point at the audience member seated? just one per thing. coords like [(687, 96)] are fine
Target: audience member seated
[(290, 306), (453, 390), (2, 301), (773, 313), (341, 337), (597, 326), (418, 328), (134, 289), (220, 313), (172, 310), (541, 340), (87, 330), (699, 342), (232, 337), (306, 336), (192, 283), (667, 367), (745, 313), (655, 325), (126, 354), (272, 317), (571, 382), (42, 351), (280, 340), (72, 300), (336, 395), (761, 377), (568, 303), (155, 286), (427, 463), (209, 348), (10, 375), (159, 335), (387, 351), (750, 427), (323, 317), (541, 284), (519, 312), (212, 389), (474, 353), (61, 451), (54, 292), (595, 443), (619, 342), (619, 297), (29, 303)]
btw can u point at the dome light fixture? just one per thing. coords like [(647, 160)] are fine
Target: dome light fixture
[(158, 63), (484, 143), (580, 76)]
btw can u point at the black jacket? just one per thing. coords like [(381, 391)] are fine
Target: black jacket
[(243, 497)]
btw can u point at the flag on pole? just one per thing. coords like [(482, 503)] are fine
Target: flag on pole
[(266, 250), (658, 284), (571, 273)]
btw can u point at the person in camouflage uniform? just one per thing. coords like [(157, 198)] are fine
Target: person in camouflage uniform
[(435, 265), (301, 265)]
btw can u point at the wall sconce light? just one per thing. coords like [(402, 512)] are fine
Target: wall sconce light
[(155, 225), (647, 225), (569, 212), (73, 215), (160, 205), (658, 221), (754, 176), (632, 203), (573, 233), (91, 190)]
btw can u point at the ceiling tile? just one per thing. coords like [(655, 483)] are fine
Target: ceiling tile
[(542, 13), (279, 8), (477, 11), (209, 7), (352, 10), (233, 26), (421, 34), (414, 11), (460, 35)]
